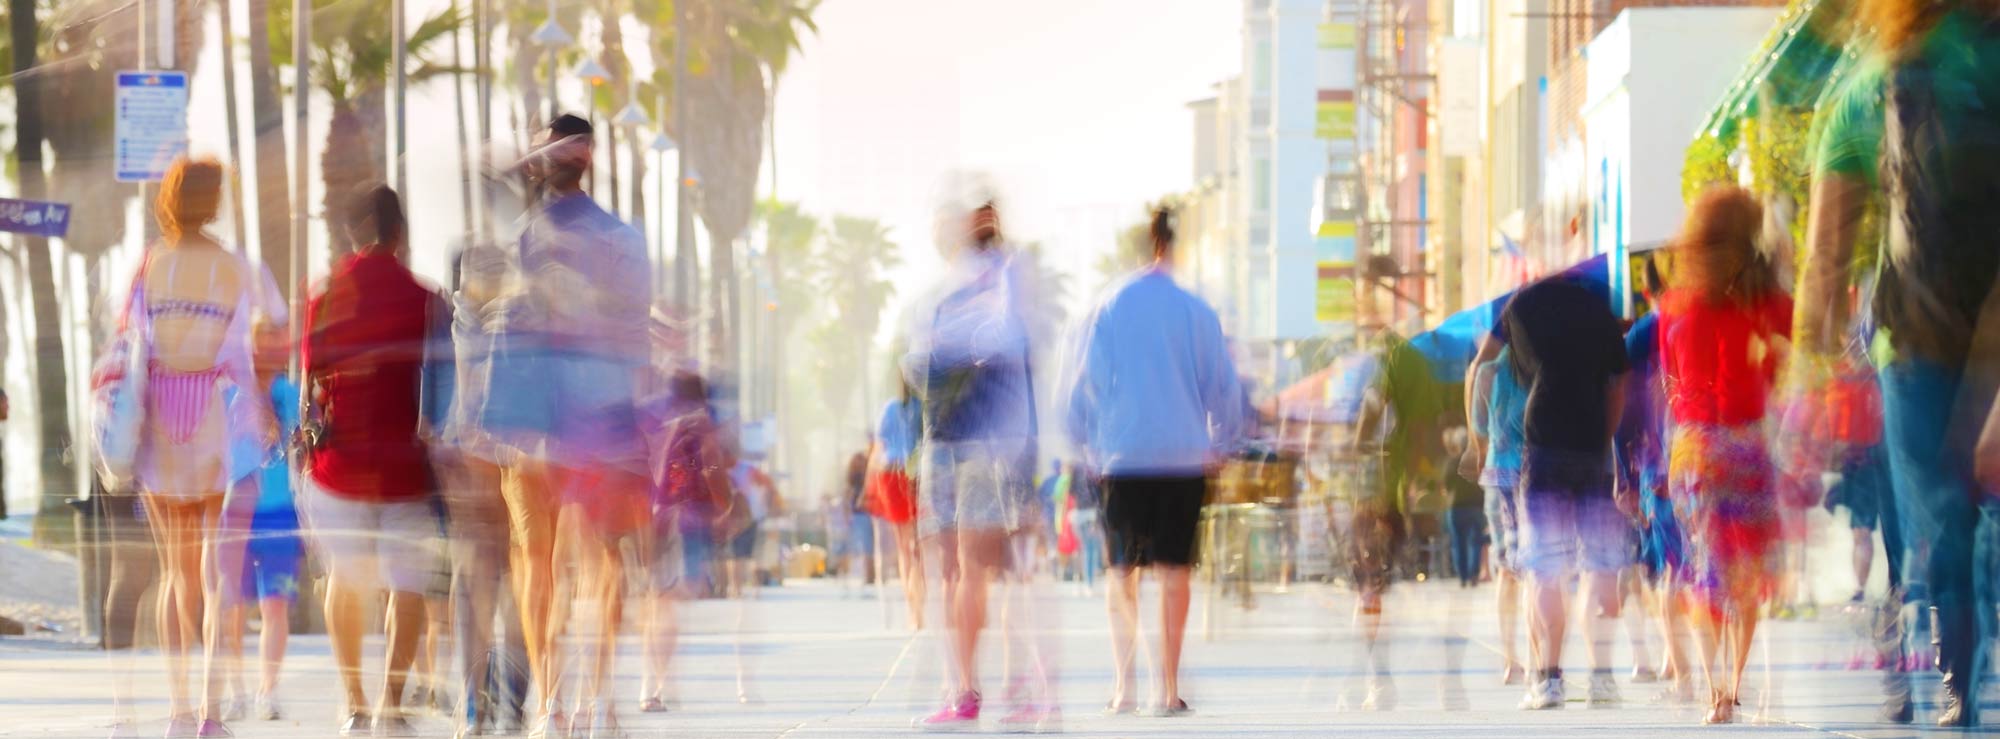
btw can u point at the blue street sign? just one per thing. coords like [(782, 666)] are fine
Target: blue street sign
[(34, 217)]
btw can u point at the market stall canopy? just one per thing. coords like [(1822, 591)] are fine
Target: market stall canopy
[(1451, 346), (1332, 395)]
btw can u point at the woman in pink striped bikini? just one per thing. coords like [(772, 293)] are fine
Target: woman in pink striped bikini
[(196, 301)]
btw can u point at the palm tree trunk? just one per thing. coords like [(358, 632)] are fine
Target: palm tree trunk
[(726, 320), (229, 111), (464, 146), (636, 148), (527, 56), (348, 162), (51, 366), (274, 172)]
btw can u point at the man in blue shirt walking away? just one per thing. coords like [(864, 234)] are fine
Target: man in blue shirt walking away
[(1155, 404)]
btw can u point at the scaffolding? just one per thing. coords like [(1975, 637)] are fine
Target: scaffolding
[(1394, 86)]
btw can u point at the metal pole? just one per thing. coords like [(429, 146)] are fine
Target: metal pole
[(229, 111), (482, 41), (400, 146), (301, 95), (465, 170), (552, 74), (610, 158), (163, 30), (684, 259), (660, 196)]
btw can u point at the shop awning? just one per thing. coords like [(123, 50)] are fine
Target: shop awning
[(1451, 346), (1331, 395), (1791, 68)]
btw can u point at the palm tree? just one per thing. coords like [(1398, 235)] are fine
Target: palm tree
[(850, 270), (789, 236), (76, 55), (24, 42), (528, 68), (274, 171), (736, 50), (353, 45)]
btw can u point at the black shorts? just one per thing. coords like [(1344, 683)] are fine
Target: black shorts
[(1152, 520)]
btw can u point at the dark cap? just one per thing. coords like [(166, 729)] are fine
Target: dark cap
[(567, 125)]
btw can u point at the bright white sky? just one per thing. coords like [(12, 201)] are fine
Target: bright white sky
[(1076, 107)]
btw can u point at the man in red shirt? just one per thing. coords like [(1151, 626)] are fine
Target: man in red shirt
[(366, 487)]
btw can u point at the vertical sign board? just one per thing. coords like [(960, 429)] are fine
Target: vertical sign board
[(1334, 108), (151, 127), (1334, 292)]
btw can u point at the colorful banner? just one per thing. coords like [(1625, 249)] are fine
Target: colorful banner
[(1334, 291), (1336, 35), (1334, 115)]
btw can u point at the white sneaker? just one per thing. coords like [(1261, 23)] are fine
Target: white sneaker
[(1603, 690), (1545, 695), (267, 708), (1381, 695)]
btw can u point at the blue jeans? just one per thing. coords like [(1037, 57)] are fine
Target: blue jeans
[(1467, 527), (1931, 471)]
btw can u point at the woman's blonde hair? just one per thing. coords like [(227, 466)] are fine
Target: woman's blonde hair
[(190, 196), (1716, 256)]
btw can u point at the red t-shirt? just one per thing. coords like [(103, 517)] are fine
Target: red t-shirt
[(1721, 357), (364, 351)]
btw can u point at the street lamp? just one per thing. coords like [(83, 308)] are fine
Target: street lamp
[(630, 117), (552, 37), (594, 75)]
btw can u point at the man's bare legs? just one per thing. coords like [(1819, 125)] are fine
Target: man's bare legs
[(945, 549), (1548, 621), (1508, 587), (982, 555), (1864, 559), (276, 614), (1603, 599), (1174, 597), (910, 564), (345, 621), (406, 626), (1368, 621), (1122, 605), (1632, 585), (661, 638), (532, 509), (1673, 624), (601, 575)]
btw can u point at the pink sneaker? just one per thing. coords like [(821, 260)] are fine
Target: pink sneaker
[(960, 715)]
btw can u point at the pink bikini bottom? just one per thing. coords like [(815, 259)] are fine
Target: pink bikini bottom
[(180, 400)]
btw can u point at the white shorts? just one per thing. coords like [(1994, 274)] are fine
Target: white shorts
[(392, 546)]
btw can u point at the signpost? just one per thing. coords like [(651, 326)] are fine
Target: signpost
[(34, 218), (151, 127)]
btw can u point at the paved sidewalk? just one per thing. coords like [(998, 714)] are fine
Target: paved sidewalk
[(825, 664)]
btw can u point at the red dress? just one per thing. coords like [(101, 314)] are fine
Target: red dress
[(1720, 359)]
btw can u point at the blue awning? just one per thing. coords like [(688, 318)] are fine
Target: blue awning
[(1451, 346)]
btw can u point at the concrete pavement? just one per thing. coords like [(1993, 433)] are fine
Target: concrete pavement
[(821, 662)]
